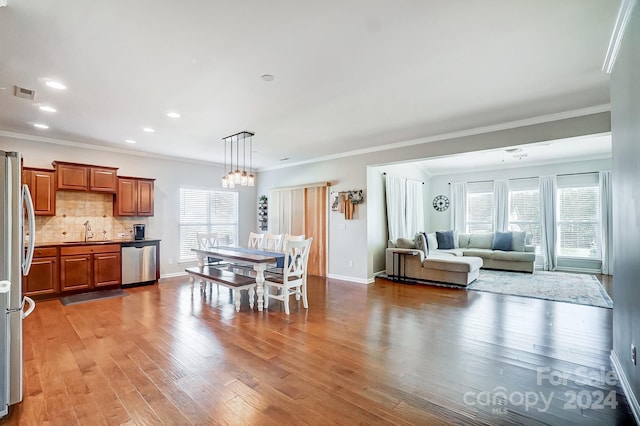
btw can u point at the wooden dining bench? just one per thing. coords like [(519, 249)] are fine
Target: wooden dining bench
[(231, 280)]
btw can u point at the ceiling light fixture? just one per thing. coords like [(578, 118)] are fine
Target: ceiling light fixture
[(48, 109), (55, 85), (40, 126), (148, 129), (267, 77), (173, 114), (236, 177), (130, 141)]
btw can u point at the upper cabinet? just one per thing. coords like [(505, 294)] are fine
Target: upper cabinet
[(42, 186), (83, 177), (134, 197)]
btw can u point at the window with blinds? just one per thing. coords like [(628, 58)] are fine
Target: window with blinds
[(524, 214), (206, 210), (578, 222), (480, 212)]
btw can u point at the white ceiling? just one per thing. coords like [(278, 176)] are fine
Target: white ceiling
[(559, 151), (348, 74)]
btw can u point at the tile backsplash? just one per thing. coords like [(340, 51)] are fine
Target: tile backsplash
[(74, 208)]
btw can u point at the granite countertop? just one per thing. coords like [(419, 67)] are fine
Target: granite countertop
[(90, 242)]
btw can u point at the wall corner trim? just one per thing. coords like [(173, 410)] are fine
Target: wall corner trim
[(351, 279), (619, 27), (626, 386)]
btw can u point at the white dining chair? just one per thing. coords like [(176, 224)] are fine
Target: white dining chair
[(289, 237), (208, 241), (273, 242), (255, 240), (293, 279)]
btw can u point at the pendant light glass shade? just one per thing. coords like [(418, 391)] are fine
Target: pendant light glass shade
[(235, 176)]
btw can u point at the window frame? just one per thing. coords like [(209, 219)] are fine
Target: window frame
[(536, 222), (480, 190), (210, 223), (597, 222)]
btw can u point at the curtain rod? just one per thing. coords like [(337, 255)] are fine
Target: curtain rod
[(385, 173), (532, 177)]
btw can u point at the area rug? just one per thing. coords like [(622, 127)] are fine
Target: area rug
[(92, 296), (581, 289)]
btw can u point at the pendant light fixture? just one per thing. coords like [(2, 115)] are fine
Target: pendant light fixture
[(237, 177)]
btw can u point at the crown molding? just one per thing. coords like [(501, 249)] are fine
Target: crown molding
[(44, 139), (622, 20), (459, 134)]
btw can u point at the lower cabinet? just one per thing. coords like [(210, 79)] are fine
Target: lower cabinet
[(43, 275), (83, 267)]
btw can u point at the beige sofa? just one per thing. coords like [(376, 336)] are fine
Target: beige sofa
[(521, 258), (460, 265)]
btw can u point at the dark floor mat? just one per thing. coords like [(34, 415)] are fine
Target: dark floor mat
[(94, 295)]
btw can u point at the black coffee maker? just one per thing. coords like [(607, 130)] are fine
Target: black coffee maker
[(138, 231)]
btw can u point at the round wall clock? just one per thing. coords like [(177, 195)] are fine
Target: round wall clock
[(441, 203)]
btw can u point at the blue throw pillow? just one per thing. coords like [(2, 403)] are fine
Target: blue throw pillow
[(445, 240), (502, 241)]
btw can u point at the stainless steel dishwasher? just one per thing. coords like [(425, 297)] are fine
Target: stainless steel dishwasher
[(138, 263)]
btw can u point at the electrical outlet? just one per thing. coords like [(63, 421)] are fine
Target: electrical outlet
[(633, 354)]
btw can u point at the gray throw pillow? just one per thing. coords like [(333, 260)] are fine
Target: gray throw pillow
[(502, 241), (421, 243), (445, 240), (405, 243)]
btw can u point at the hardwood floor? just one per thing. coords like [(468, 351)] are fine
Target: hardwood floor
[(385, 353)]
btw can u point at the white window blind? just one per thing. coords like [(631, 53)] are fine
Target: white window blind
[(206, 210), (480, 212), (578, 222), (524, 214)]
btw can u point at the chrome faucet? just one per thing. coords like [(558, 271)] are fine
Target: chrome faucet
[(88, 233)]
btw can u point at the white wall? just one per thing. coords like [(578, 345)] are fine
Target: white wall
[(169, 175)]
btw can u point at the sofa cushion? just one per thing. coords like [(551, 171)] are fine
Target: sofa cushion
[(421, 242), (452, 263), (517, 240), (483, 253), (481, 241), (445, 240), (450, 252), (502, 241), (405, 243), (514, 256), (391, 244), (432, 241), (463, 240)]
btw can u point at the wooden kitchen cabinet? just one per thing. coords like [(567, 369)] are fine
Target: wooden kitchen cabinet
[(103, 179), (42, 186), (71, 176), (43, 275), (86, 177), (89, 266), (134, 197), (106, 269)]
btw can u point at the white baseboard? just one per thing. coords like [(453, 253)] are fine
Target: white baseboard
[(173, 274), (352, 279), (579, 270), (626, 386)]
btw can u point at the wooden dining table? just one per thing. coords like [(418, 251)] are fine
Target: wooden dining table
[(260, 260)]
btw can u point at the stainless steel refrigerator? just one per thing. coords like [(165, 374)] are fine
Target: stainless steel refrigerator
[(16, 212)]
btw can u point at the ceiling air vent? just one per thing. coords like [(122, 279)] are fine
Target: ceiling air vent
[(21, 92)]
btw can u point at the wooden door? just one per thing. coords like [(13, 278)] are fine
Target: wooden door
[(75, 272), (145, 198), (106, 269), (72, 177), (315, 220), (126, 198), (102, 179)]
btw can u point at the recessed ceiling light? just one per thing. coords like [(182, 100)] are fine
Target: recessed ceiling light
[(148, 129), (267, 77), (48, 109), (173, 114), (130, 141), (41, 126), (284, 159), (55, 85)]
